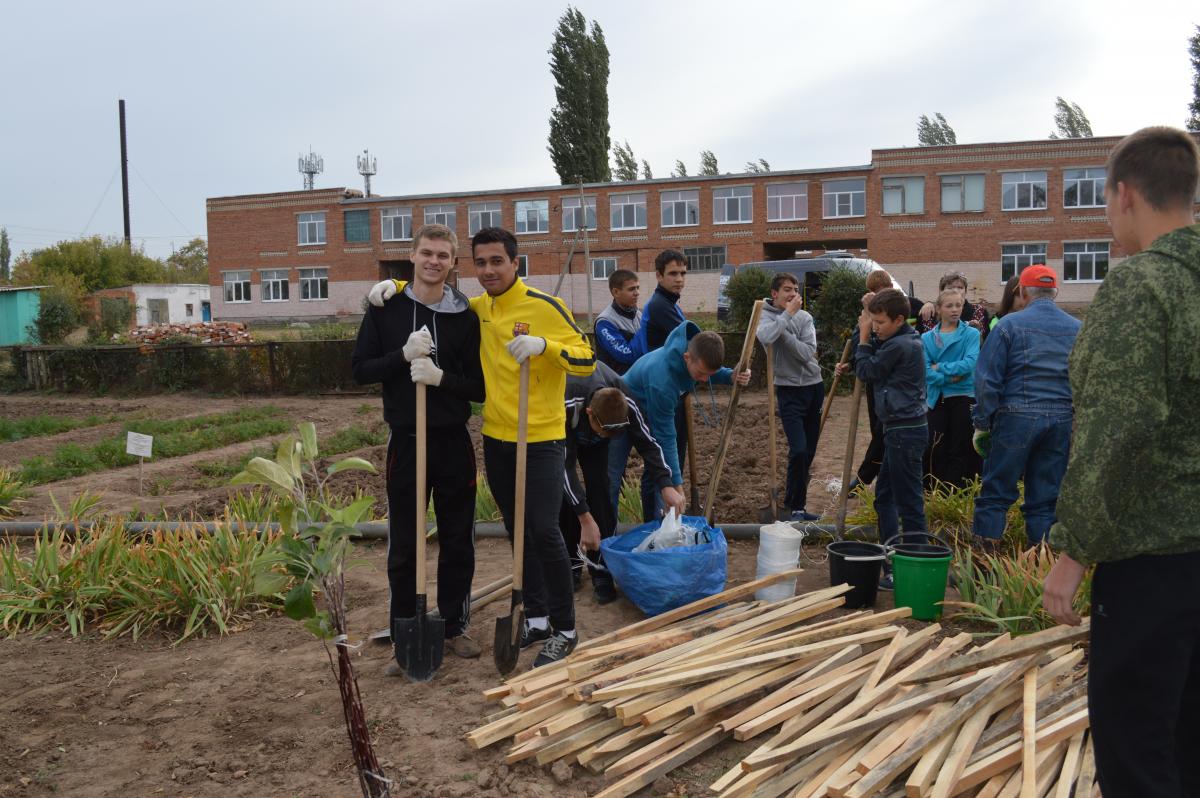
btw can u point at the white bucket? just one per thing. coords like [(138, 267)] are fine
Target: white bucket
[(778, 551)]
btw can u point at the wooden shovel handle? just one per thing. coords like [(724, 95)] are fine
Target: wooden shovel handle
[(519, 499), (773, 495), (691, 442), (422, 481), (833, 386), (848, 463)]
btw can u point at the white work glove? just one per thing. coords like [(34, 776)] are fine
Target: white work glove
[(524, 347), (419, 344), (423, 370), (382, 292)]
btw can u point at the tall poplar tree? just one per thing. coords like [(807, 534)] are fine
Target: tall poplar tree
[(1193, 122), (579, 142)]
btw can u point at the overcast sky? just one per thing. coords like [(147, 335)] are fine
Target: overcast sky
[(223, 96)]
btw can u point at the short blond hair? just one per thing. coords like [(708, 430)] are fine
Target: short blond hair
[(878, 280), (436, 232)]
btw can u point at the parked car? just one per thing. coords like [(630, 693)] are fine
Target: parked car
[(808, 271)]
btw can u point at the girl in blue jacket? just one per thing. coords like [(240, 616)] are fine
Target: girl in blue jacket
[(951, 349)]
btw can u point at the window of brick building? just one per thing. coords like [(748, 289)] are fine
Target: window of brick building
[(680, 208), (627, 211), (358, 226), (845, 198), (1023, 191), (962, 193), (481, 215), (396, 224), (310, 228), (602, 268), (237, 286), (1085, 261), (522, 266), (274, 285), (733, 205), (576, 213), (314, 284), (1083, 188), (441, 214), (705, 259), (903, 195), (787, 202), (533, 216), (1015, 258)]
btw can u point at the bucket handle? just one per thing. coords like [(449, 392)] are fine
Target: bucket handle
[(929, 535), (872, 558)]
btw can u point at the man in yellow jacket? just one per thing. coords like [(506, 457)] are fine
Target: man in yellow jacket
[(519, 323)]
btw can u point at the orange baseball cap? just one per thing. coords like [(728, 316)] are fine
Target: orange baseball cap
[(1039, 275)]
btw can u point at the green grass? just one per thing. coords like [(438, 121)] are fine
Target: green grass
[(111, 582), (172, 438), (35, 426), (12, 492)]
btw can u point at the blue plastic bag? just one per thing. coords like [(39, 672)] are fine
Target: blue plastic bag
[(657, 581)]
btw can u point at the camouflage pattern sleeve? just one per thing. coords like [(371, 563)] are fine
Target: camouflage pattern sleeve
[(1120, 394)]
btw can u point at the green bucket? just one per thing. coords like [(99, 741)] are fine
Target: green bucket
[(919, 573)]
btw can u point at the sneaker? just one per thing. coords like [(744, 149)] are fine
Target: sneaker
[(802, 515), (885, 583), (463, 646), (529, 635), (604, 592), (556, 648)]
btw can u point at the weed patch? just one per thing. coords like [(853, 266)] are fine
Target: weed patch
[(36, 426)]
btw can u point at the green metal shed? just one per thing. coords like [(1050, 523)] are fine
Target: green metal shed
[(18, 308)]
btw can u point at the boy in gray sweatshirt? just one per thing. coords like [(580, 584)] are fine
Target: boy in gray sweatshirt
[(799, 389)]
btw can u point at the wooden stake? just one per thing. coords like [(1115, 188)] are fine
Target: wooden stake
[(650, 772), (1029, 735), (1036, 642), (1008, 757), (848, 462), (834, 384), (1070, 768)]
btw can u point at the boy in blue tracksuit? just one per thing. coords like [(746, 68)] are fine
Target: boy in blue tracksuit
[(618, 323), (895, 368), (659, 379), (951, 349)]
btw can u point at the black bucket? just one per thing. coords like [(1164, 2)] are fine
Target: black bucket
[(920, 545), (857, 564)]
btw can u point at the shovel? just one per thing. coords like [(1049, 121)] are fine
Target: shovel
[(770, 513), (694, 507), (420, 640), (506, 646)]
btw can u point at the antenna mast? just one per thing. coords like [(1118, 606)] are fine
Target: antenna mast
[(366, 168), (311, 165)]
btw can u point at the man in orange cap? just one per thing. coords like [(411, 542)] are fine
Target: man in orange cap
[(1022, 412)]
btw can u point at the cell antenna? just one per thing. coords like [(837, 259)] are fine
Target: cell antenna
[(310, 166), (366, 168)]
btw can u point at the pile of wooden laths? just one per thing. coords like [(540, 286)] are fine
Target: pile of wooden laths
[(849, 705)]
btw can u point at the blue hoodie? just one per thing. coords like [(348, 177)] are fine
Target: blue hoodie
[(657, 381), (954, 354)]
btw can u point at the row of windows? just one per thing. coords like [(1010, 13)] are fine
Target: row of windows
[(1083, 261), (274, 285), (1019, 191)]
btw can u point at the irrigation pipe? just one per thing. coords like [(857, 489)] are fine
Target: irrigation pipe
[(371, 531)]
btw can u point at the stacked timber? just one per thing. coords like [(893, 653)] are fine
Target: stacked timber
[(853, 704), (206, 332)]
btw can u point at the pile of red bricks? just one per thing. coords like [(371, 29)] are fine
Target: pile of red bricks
[(208, 332)]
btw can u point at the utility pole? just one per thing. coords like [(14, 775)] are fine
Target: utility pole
[(124, 172)]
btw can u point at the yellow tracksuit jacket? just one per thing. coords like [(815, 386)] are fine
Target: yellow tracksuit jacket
[(529, 311)]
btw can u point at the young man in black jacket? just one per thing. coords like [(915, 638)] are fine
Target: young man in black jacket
[(895, 368), (428, 334), (598, 407)]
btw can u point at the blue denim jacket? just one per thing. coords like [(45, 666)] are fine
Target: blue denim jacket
[(1023, 363)]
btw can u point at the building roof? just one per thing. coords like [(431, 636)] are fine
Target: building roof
[(9, 288)]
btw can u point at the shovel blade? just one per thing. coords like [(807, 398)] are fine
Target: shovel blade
[(506, 646), (419, 643)]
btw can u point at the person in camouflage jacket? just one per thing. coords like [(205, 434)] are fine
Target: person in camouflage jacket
[(1131, 494)]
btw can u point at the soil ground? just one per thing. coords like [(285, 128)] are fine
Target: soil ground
[(257, 712)]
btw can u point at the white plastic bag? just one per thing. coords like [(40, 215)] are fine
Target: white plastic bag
[(669, 534)]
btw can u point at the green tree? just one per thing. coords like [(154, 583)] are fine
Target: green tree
[(646, 173), (1071, 121), (935, 132), (60, 309), (579, 141), (189, 264), (680, 169), (835, 313), (708, 163), (96, 262), (743, 289), (759, 167), (626, 167), (1193, 122), (5, 254)]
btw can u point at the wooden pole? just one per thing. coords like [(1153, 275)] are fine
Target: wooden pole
[(727, 429), (848, 463), (773, 495), (833, 386), (1029, 735)]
